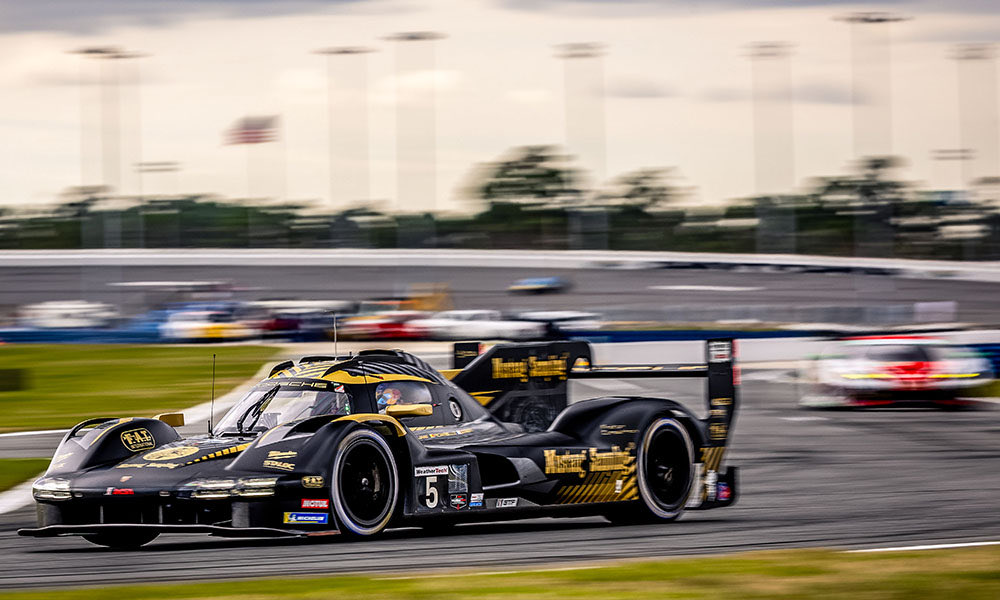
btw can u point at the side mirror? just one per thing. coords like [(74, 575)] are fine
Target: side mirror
[(409, 410), (172, 419)]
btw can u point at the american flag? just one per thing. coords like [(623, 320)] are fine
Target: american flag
[(253, 130)]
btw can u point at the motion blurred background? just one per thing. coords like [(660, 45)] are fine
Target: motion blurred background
[(750, 128)]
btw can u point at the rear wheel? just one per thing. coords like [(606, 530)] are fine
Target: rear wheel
[(665, 468), (122, 541), (365, 483)]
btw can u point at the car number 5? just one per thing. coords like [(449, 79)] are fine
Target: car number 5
[(431, 493)]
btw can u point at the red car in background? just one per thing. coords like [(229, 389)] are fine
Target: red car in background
[(872, 371)]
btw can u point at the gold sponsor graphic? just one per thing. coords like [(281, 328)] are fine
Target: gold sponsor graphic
[(571, 462), (124, 478), (171, 453), (617, 430), (282, 454), (550, 366), (440, 434), (137, 440), (312, 481), (281, 466), (611, 478), (466, 354), (612, 460), (717, 412), (153, 465), (220, 453), (512, 369), (589, 461), (722, 401), (718, 431)]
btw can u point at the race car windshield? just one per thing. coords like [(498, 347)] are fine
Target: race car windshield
[(258, 412), (897, 353)]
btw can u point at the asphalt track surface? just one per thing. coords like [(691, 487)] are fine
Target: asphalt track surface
[(593, 289), (832, 479)]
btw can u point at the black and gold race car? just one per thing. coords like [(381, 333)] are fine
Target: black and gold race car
[(357, 444)]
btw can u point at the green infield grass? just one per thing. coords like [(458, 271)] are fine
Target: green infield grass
[(967, 573), (15, 470), (62, 385)]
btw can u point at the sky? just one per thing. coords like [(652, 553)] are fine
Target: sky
[(672, 89)]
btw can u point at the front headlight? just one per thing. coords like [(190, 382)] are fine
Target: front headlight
[(256, 486), (211, 489), (51, 488)]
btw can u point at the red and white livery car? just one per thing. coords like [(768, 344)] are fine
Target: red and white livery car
[(892, 370)]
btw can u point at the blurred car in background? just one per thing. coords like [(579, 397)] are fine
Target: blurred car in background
[(539, 285), (67, 314), (477, 325), (205, 326), (559, 323), (392, 324), (894, 370)]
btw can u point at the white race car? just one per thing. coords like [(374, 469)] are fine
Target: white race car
[(894, 370), (476, 325)]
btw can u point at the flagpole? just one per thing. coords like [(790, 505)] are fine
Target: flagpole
[(249, 194)]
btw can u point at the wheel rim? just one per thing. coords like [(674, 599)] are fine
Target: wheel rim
[(365, 483), (666, 473)]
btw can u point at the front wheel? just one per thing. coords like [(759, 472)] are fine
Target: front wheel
[(122, 541), (665, 468), (365, 483)]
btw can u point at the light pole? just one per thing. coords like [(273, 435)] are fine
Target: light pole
[(977, 111), (871, 88), (361, 190), (583, 94), (774, 147), (416, 124), (111, 126)]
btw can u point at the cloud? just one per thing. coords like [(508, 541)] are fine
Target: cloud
[(92, 16)]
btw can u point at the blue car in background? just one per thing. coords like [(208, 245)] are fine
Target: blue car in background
[(539, 285)]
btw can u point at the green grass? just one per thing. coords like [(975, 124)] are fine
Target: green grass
[(968, 573), (69, 383), (16, 470)]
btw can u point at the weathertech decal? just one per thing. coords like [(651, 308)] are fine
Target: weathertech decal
[(425, 471)]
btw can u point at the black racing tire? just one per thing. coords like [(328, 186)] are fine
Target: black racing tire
[(122, 541), (365, 483), (665, 473)]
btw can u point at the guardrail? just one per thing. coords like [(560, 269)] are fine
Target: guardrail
[(568, 259)]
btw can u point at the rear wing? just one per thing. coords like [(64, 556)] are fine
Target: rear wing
[(516, 381)]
